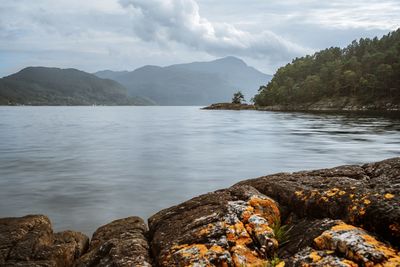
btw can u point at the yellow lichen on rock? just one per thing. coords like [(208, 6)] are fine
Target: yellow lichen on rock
[(322, 258), (243, 237), (315, 257), (243, 256), (357, 246), (332, 192), (198, 255), (266, 207), (367, 201), (389, 196), (298, 193), (237, 234)]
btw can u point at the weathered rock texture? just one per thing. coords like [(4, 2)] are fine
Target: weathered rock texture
[(30, 241), (121, 243), (345, 245), (365, 196), (225, 228), (344, 216)]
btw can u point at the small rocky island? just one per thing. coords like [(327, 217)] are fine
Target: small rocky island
[(230, 106), (344, 216)]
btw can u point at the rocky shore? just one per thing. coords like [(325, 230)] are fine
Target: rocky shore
[(340, 104), (344, 216), (230, 106)]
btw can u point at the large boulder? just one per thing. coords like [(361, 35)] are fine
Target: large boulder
[(121, 243), (29, 241), (230, 227), (367, 196), (340, 245)]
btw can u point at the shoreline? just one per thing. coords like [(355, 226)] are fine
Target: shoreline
[(305, 109), (244, 225)]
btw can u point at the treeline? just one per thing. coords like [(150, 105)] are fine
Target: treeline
[(367, 70)]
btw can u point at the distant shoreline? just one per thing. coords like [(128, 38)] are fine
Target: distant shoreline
[(304, 108)]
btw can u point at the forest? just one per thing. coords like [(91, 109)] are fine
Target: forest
[(367, 71)]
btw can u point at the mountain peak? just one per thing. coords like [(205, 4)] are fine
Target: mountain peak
[(231, 60)]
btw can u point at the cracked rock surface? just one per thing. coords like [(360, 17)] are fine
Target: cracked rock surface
[(120, 243), (29, 241)]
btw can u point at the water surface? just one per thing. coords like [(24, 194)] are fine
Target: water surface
[(85, 166)]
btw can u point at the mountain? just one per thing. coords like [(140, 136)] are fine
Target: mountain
[(197, 83), (363, 75), (54, 86)]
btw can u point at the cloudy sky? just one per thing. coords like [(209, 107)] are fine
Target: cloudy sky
[(94, 35)]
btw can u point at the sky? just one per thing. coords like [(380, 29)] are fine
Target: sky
[(94, 35)]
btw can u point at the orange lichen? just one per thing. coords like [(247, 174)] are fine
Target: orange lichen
[(265, 207), (332, 192), (206, 230), (343, 227), (320, 241), (243, 256), (357, 246), (389, 196), (237, 234), (280, 264), (314, 256), (197, 254), (349, 263), (314, 193), (367, 201), (247, 214)]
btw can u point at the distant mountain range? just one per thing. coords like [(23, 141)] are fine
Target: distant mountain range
[(197, 83), (53, 86)]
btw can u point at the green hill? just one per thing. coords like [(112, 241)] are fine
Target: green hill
[(53, 86), (364, 75)]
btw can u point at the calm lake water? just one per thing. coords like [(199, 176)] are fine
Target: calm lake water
[(85, 166)]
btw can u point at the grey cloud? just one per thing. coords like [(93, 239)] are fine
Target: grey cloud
[(125, 34), (180, 21)]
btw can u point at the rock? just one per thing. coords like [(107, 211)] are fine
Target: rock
[(230, 106), (29, 241), (367, 196), (301, 234), (120, 243), (338, 104), (229, 227), (345, 245)]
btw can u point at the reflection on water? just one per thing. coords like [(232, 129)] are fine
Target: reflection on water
[(84, 166)]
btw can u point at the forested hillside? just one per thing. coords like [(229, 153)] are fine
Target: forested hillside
[(54, 86), (367, 72)]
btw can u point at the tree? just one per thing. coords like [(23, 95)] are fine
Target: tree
[(237, 98)]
